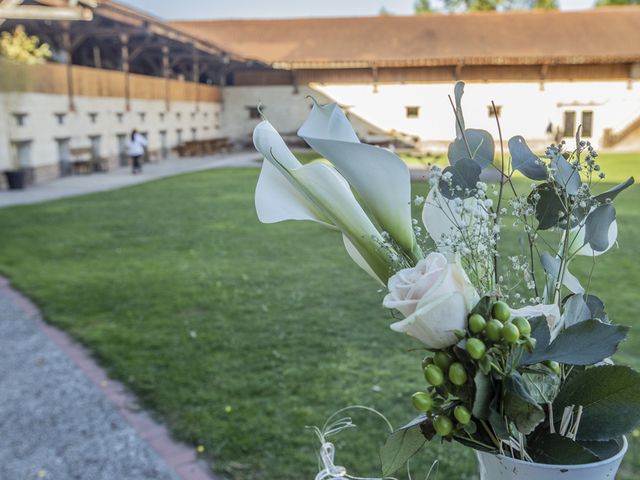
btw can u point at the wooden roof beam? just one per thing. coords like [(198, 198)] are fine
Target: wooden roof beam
[(14, 10)]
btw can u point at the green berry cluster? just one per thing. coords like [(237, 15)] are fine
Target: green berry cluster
[(488, 340)]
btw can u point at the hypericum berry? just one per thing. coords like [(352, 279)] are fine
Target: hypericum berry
[(422, 401), (555, 366), (427, 361), (442, 360), (523, 326), (462, 414), (476, 348), (530, 344), (460, 333), (433, 374), (443, 425), (494, 330), (510, 333), (500, 311), (477, 323), (457, 374)]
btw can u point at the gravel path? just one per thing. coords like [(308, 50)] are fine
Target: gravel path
[(56, 424)]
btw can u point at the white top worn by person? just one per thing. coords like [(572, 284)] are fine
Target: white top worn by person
[(135, 147)]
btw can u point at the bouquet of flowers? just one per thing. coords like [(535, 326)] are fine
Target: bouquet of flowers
[(518, 349)]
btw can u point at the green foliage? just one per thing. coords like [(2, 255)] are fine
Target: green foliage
[(606, 3), (559, 450), (584, 343), (400, 447), (610, 398), (133, 283), (22, 48), (422, 6)]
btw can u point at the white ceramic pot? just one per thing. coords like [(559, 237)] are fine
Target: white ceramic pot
[(499, 467)]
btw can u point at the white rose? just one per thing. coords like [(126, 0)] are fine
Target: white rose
[(550, 312), (435, 296)]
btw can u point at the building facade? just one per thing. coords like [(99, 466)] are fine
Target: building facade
[(190, 81)]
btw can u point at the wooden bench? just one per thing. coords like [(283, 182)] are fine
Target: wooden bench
[(84, 161), (195, 148)]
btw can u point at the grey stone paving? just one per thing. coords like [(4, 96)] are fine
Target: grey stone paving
[(122, 177), (54, 423)]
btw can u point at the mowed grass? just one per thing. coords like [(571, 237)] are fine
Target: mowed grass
[(239, 334)]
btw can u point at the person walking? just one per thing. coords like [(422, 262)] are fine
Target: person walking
[(135, 150)]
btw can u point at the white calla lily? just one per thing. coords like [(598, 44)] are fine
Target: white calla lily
[(288, 190), (380, 177)]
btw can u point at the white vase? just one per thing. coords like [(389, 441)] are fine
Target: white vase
[(499, 467)]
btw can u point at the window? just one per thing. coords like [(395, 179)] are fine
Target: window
[(178, 115), (569, 124), (193, 115), (179, 136), (122, 139), (60, 118), (254, 113), (142, 116), (93, 116), (162, 116), (587, 123), (120, 116), (412, 112), (194, 134), (20, 118), (492, 113)]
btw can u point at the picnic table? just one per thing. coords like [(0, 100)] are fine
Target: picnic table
[(194, 148), (84, 161)]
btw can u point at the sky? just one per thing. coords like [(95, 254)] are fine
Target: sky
[(206, 9)]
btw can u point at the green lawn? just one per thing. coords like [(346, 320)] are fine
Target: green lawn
[(238, 334)]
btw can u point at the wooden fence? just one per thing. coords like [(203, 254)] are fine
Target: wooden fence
[(52, 78)]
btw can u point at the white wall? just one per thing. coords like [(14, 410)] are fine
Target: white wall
[(42, 128), (526, 109)]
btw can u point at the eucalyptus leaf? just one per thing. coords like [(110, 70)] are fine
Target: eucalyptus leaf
[(610, 398), (597, 227), (580, 307), (585, 343), (555, 449), (400, 447), (465, 174), (481, 148), (551, 265), (519, 405), (541, 332), (565, 174), (549, 207), (525, 161), (482, 396), (612, 193)]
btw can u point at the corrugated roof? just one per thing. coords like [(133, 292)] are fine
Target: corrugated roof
[(602, 35)]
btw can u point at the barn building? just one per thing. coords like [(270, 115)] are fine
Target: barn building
[(199, 83)]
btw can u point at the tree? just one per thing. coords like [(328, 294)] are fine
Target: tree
[(422, 6), (22, 48), (492, 5), (602, 3)]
